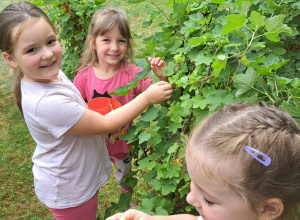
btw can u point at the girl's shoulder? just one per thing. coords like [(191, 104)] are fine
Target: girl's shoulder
[(85, 71)]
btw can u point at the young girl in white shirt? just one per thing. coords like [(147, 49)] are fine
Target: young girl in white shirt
[(70, 162)]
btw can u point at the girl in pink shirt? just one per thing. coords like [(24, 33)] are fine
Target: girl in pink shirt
[(107, 63)]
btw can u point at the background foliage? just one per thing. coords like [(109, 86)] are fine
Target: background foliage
[(218, 53)]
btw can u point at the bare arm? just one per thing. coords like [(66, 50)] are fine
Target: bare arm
[(138, 215), (94, 123)]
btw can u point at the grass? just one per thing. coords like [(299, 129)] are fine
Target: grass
[(17, 197)]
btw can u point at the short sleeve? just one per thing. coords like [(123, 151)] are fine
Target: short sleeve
[(57, 113)]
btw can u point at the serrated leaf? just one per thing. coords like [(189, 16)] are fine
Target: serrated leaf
[(131, 182), (173, 148), (151, 114), (148, 203), (179, 10), (245, 82), (174, 127), (144, 137), (257, 19), (203, 58), (275, 26), (129, 136), (219, 64), (146, 164), (156, 140), (167, 189), (160, 211), (234, 22), (195, 41), (198, 102)]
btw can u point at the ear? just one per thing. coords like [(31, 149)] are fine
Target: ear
[(271, 209), (9, 59)]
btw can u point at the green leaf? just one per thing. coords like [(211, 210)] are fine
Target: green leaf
[(160, 211), (195, 41), (146, 164), (130, 135), (174, 127), (257, 19), (144, 137), (245, 82), (275, 26), (179, 10), (235, 22), (151, 114), (167, 189), (173, 148), (148, 203), (131, 182), (219, 64), (203, 58)]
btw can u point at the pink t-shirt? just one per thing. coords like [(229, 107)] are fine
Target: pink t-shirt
[(91, 87)]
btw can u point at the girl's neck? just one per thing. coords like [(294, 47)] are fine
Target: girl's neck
[(106, 72), (54, 80)]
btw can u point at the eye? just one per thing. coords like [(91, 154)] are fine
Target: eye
[(207, 201), (105, 40), (122, 41), (51, 41), (31, 50)]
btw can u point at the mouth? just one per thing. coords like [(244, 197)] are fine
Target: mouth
[(113, 55), (48, 65)]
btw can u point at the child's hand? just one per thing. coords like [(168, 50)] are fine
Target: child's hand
[(156, 65), (158, 92), (131, 214)]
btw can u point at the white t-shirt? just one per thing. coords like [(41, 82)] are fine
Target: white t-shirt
[(68, 170)]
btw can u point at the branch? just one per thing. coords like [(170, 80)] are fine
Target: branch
[(248, 46)]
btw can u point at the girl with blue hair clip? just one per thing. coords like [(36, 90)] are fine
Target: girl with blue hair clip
[(244, 164)]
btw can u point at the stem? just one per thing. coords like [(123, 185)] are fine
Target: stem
[(248, 46), (160, 10), (188, 123)]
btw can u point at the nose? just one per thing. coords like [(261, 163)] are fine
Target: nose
[(46, 53), (114, 46), (193, 198)]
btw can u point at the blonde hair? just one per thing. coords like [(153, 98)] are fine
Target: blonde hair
[(224, 135), (17, 15), (102, 21)]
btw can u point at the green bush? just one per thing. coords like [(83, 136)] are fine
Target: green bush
[(218, 53)]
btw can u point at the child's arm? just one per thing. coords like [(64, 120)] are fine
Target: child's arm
[(94, 123), (157, 64), (133, 214)]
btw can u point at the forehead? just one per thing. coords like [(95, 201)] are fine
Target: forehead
[(224, 169)]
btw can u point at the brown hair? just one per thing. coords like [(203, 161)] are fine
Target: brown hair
[(224, 135), (102, 21), (14, 16)]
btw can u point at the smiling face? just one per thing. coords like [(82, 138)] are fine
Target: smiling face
[(111, 48), (37, 53), (212, 197)]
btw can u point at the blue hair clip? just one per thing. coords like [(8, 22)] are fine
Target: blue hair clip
[(256, 153)]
